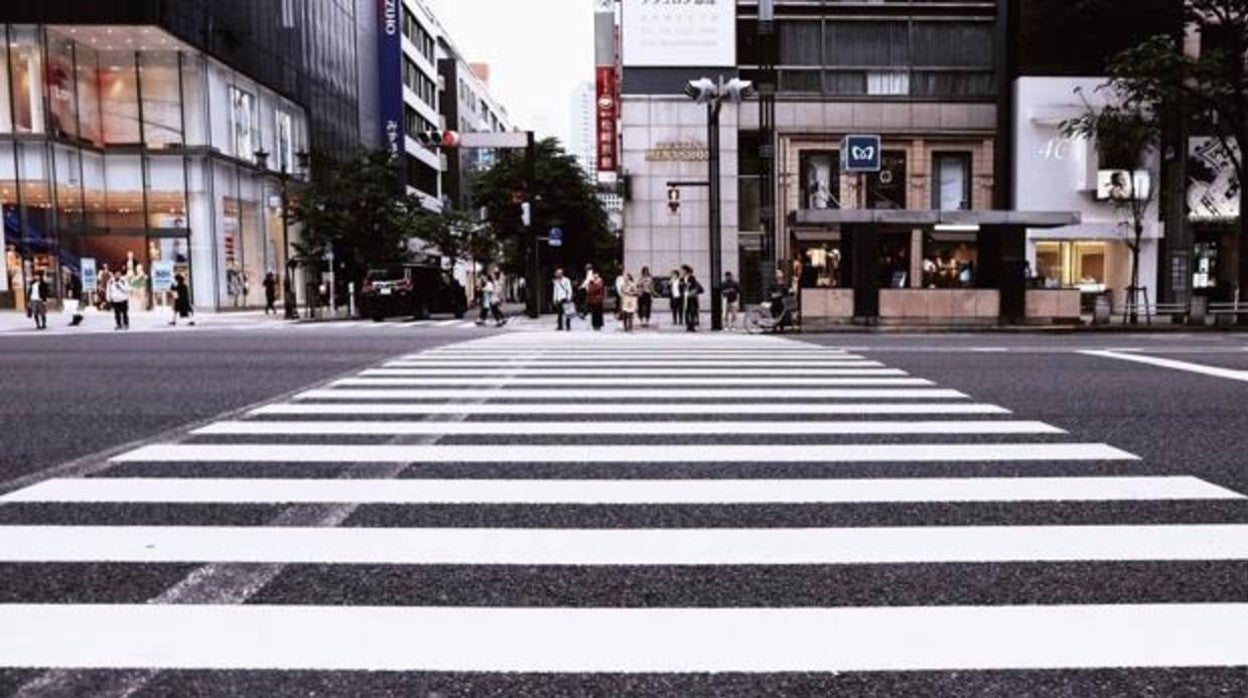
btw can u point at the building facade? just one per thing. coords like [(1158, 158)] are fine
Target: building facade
[(583, 127)]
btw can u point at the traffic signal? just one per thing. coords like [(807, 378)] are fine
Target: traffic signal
[(438, 139), (673, 199)]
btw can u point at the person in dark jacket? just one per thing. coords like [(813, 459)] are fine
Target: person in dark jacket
[(596, 298), (181, 301), (270, 293), (692, 289), (38, 301)]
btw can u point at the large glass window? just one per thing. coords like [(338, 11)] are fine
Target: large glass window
[(87, 72), (119, 98), (886, 189), (166, 193), (162, 99), (821, 179), (821, 265), (951, 181), (26, 64), (61, 84), (242, 120), (195, 100), (950, 259), (1077, 263), (6, 114)]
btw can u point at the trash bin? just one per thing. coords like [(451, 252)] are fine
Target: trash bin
[(1101, 310), (1198, 310)]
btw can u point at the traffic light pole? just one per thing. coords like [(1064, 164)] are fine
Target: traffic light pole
[(716, 241), (533, 299)]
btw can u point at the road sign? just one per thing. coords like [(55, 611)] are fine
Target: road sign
[(555, 237), (860, 154)]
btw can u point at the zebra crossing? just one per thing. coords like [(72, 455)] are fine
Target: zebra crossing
[(542, 504)]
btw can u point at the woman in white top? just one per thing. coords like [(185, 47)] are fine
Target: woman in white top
[(119, 298)]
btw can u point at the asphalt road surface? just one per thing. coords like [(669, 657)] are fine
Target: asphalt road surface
[(534, 514)]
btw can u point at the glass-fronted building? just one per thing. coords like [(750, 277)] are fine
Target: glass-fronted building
[(126, 148)]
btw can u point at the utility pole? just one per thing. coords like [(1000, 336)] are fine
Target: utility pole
[(533, 298)]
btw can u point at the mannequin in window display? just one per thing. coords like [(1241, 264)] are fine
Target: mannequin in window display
[(138, 286), (101, 286)]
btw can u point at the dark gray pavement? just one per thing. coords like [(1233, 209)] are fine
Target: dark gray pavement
[(1178, 422)]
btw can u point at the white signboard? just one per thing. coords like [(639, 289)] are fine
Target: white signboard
[(676, 33)]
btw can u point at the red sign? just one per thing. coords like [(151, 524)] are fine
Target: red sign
[(607, 110)]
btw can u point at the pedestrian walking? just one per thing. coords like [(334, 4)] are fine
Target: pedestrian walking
[(645, 296), (119, 298), (628, 302), (692, 289), (619, 297), (270, 293), (483, 298), (676, 298), (37, 303), (730, 290), (75, 297), (595, 298), (182, 301), (496, 300), (561, 299)]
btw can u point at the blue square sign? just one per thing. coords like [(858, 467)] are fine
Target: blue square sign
[(860, 154)]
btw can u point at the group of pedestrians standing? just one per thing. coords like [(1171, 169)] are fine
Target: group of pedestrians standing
[(490, 290), (635, 296), (115, 292)]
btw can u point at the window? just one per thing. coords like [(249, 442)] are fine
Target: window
[(119, 98), (886, 189), (26, 64), (284, 129), (951, 181), (949, 259), (422, 177), (162, 99), (242, 113), (1071, 263), (888, 83), (421, 39), (821, 180)]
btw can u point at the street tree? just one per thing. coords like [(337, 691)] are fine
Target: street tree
[(459, 235), (1127, 134), (1157, 74), (563, 197), (358, 210)]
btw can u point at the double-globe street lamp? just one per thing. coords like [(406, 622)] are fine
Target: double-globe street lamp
[(284, 176), (714, 93)]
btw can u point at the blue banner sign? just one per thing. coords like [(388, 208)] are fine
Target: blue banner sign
[(390, 67)]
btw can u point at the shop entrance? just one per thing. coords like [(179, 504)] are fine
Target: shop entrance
[(143, 260)]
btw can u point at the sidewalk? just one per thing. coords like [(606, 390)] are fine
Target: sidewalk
[(140, 321)]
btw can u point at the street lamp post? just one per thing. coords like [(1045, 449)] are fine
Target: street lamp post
[(714, 93), (284, 175)]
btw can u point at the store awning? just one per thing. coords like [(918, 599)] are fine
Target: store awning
[(920, 218)]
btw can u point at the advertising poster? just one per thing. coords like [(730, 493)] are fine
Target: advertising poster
[(674, 34), (242, 107), (162, 276), (1212, 187), (820, 179), (89, 274)]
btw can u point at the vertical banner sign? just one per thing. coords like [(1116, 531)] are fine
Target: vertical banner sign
[(390, 67), (606, 110), (162, 276)]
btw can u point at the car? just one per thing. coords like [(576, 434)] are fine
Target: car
[(414, 290)]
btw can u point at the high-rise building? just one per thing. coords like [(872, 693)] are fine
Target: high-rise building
[(583, 127), (149, 137)]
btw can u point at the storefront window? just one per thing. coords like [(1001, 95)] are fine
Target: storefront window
[(32, 224), (88, 75), (162, 100), (894, 266), (285, 151), (195, 99), (254, 243), (166, 193), (11, 275), (951, 181), (242, 118), (949, 260), (67, 164), (821, 179), (1072, 263), (820, 265), (26, 64), (6, 114), (119, 97), (886, 189), (93, 191)]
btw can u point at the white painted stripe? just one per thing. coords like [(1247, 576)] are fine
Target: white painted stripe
[(1202, 369), (749, 410), (682, 428), (623, 492), (448, 323), (620, 453), (520, 355), (404, 368), (622, 640), (657, 546), (601, 364), (598, 395), (634, 381)]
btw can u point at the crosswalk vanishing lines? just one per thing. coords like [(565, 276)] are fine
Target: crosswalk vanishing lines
[(596, 505)]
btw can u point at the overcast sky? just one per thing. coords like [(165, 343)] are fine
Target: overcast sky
[(538, 53)]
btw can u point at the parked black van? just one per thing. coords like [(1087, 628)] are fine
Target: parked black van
[(413, 290)]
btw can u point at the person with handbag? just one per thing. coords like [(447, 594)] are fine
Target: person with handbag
[(181, 301), (119, 298), (628, 302), (37, 305), (561, 299), (595, 298), (676, 295)]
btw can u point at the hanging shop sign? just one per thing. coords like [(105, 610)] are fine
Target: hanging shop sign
[(607, 113)]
